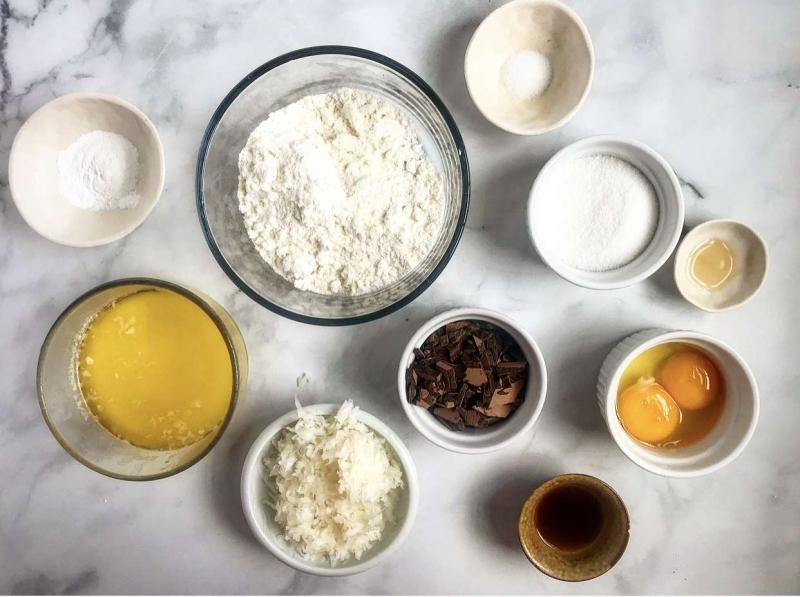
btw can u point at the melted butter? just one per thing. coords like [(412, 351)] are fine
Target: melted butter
[(711, 264), (154, 370)]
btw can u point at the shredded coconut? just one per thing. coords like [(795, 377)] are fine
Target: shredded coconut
[(333, 484), (337, 193), (99, 171)]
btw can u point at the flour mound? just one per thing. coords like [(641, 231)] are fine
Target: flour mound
[(337, 193)]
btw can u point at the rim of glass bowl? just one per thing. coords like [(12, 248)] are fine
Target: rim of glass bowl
[(417, 81), (184, 292)]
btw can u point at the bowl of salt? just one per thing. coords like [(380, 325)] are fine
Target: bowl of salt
[(529, 66)]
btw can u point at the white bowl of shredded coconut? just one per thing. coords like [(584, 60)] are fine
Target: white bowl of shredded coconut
[(86, 169), (329, 490)]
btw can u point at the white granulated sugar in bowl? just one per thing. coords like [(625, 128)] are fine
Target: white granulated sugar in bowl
[(598, 213), (334, 484), (337, 193)]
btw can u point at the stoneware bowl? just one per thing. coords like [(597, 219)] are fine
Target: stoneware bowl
[(496, 437), (261, 518), (670, 216), (727, 439), (751, 263), (586, 563), (33, 168), (545, 26)]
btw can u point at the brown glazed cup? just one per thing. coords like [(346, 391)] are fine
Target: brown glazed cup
[(588, 562)]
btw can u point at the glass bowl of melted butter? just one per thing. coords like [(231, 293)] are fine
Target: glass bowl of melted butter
[(139, 378)]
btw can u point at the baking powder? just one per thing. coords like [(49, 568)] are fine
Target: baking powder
[(99, 171)]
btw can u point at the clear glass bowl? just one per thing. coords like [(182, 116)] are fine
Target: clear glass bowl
[(277, 84), (67, 416)]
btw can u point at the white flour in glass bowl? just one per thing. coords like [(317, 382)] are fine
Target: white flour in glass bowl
[(337, 193)]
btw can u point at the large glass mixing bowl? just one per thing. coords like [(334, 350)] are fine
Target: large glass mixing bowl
[(277, 84)]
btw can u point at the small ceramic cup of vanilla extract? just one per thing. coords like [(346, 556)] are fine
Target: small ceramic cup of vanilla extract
[(574, 528)]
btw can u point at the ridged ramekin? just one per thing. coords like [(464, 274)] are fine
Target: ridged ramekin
[(731, 433)]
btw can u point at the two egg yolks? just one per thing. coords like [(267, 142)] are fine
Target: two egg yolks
[(651, 411)]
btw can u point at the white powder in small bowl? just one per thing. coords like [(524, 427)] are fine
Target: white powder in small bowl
[(526, 74), (598, 213), (99, 171)]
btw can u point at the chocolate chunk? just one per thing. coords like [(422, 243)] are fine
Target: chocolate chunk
[(468, 374), (472, 418), (444, 367), (500, 411), (450, 415), (510, 367), (508, 395), (462, 395), (476, 376), (429, 374)]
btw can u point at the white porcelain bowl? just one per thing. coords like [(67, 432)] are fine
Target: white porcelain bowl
[(670, 218), (496, 437), (33, 168), (261, 518), (546, 26), (728, 437)]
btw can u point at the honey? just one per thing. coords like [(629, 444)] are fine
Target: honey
[(154, 370), (711, 264)]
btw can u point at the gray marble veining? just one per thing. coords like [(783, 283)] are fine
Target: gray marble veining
[(714, 86)]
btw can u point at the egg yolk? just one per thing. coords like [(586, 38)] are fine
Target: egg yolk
[(691, 379), (648, 412)]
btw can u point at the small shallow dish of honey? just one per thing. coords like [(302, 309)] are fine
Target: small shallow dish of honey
[(678, 404), (721, 265), (574, 528), (138, 378)]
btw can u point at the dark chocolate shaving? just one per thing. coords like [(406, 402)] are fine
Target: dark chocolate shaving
[(468, 374)]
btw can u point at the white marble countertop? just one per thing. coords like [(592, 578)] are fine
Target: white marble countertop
[(713, 86)]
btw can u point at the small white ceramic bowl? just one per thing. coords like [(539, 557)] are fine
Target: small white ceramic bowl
[(728, 437), (496, 437), (545, 26), (261, 518), (670, 218), (33, 168), (751, 263)]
